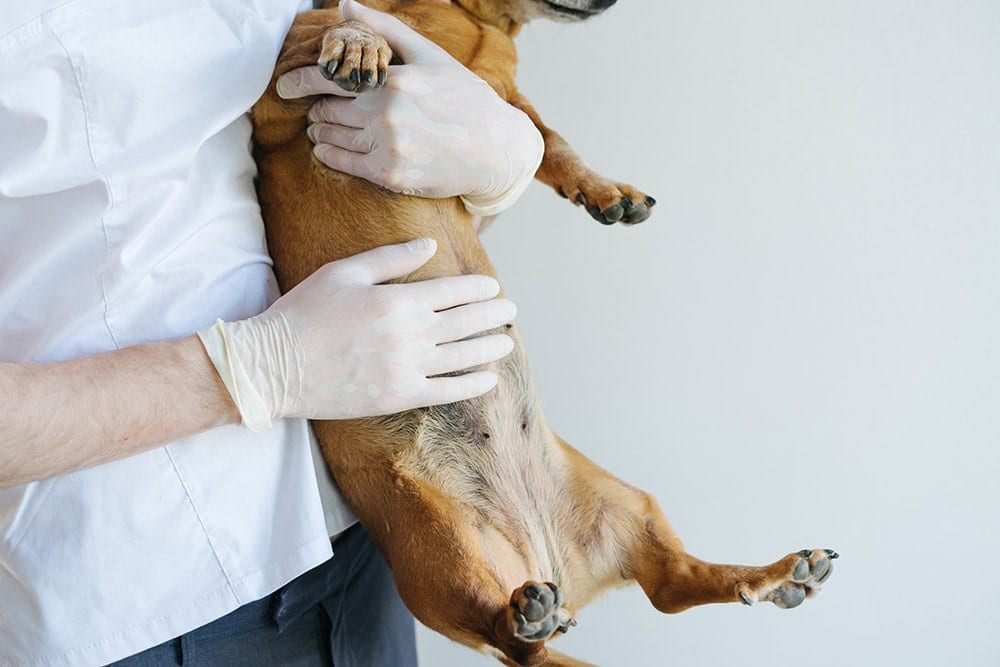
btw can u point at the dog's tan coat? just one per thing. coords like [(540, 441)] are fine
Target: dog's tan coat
[(476, 504)]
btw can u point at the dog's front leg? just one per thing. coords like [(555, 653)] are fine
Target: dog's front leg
[(563, 170)]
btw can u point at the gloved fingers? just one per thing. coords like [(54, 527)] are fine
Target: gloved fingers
[(409, 45), (349, 138), (461, 355), (450, 291), (340, 111), (386, 262), (305, 81), (454, 388), (473, 318), (346, 161)]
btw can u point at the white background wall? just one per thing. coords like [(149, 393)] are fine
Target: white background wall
[(802, 347)]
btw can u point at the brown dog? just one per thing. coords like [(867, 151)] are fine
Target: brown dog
[(496, 530)]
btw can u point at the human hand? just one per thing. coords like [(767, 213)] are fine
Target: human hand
[(434, 129), (342, 345)]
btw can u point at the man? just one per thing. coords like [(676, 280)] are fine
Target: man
[(158, 489)]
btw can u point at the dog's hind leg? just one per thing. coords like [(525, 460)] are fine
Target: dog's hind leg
[(554, 659), (454, 587), (675, 580), (630, 538)]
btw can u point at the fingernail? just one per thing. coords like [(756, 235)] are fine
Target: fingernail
[(313, 133), (320, 151), (492, 286), (289, 84), (489, 381), (509, 309), (422, 246)]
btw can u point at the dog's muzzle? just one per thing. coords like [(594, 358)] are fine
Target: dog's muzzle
[(579, 9)]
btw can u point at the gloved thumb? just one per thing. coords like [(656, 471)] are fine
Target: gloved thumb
[(408, 45), (387, 262)]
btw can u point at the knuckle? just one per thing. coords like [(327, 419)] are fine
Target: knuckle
[(394, 148), (390, 120)]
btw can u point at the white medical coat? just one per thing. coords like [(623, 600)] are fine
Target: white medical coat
[(127, 214)]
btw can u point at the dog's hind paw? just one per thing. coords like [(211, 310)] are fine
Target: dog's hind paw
[(536, 612), (797, 577)]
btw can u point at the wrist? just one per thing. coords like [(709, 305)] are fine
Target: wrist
[(221, 346), (522, 161), (218, 403)]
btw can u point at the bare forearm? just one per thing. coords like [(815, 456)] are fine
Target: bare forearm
[(65, 416)]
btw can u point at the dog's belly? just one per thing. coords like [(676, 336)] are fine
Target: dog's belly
[(496, 459)]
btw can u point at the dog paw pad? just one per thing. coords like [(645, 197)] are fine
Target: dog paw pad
[(616, 206), (537, 613), (805, 573)]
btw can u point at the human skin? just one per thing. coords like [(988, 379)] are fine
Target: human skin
[(69, 415)]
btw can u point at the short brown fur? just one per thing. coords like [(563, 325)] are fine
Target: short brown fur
[(475, 505)]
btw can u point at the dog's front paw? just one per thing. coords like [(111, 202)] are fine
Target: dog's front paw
[(536, 612), (617, 207), (609, 202), (354, 57), (797, 577)]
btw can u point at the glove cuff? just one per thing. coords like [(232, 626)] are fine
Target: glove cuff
[(254, 412), (487, 205)]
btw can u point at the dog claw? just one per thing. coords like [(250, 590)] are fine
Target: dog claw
[(746, 600), (570, 623), (328, 70)]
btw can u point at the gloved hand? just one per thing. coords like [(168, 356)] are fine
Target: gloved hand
[(340, 345), (434, 130)]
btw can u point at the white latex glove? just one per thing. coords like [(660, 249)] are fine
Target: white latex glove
[(434, 129), (340, 345)]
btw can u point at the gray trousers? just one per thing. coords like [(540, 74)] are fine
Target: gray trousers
[(345, 612)]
